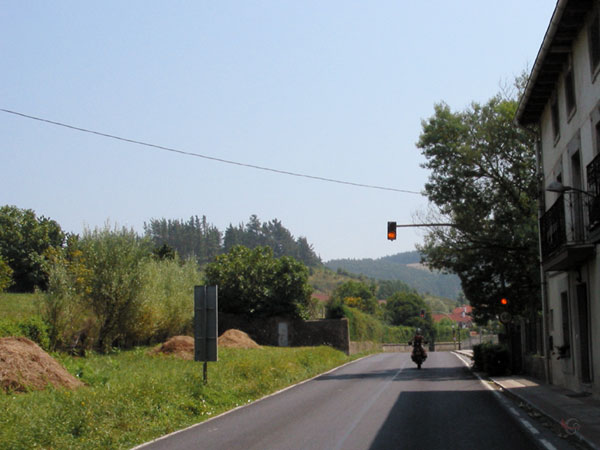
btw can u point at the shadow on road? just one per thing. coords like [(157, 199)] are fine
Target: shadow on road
[(440, 374), (449, 420)]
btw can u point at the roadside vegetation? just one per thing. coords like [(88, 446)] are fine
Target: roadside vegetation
[(132, 397)]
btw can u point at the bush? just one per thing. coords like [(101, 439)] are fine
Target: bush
[(366, 328), (166, 305), (494, 359), (33, 328), (256, 284)]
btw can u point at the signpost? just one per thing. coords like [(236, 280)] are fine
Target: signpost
[(205, 325)]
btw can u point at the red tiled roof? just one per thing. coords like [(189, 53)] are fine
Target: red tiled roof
[(321, 297)]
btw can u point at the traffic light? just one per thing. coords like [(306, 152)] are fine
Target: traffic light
[(391, 231), (504, 301)]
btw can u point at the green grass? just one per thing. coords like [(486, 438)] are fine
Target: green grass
[(132, 397), (17, 307)]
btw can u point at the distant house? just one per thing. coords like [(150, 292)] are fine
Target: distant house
[(561, 104), (460, 315), (323, 298)]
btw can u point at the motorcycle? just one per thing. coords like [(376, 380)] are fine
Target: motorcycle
[(418, 355)]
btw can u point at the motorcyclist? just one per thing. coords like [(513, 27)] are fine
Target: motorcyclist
[(418, 349)]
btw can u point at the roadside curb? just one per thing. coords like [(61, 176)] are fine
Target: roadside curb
[(514, 396), (577, 435), (521, 422)]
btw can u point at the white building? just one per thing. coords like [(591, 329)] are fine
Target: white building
[(562, 104)]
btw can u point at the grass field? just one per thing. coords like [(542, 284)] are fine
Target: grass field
[(132, 397), (17, 306)]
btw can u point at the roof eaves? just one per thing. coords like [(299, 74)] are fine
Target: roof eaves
[(539, 61)]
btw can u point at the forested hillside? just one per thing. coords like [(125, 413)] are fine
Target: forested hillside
[(399, 267)]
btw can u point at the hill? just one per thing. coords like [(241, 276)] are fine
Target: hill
[(404, 267)]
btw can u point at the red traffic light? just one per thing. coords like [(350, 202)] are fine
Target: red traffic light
[(391, 235), (504, 302)]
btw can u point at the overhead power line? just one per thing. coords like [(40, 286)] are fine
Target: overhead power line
[(211, 158)]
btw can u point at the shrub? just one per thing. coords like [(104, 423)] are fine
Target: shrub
[(115, 281), (33, 328), (365, 327), (36, 329), (494, 359), (166, 304)]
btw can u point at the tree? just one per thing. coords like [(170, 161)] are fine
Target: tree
[(24, 239), (114, 259), (404, 308), (357, 294), (483, 182), (255, 283), (5, 275), (195, 238)]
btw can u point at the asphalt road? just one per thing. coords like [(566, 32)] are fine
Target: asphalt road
[(379, 402)]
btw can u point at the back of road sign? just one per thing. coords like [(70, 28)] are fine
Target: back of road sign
[(205, 323)]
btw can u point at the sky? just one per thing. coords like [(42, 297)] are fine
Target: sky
[(329, 89)]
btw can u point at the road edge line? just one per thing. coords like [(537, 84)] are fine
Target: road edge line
[(229, 411)]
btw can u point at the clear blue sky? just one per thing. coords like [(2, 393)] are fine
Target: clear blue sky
[(333, 89)]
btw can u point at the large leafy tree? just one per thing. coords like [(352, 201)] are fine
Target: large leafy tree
[(254, 283), (404, 308), (357, 294), (483, 182), (24, 239)]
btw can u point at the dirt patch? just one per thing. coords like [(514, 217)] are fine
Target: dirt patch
[(180, 346), (25, 366), (236, 339)]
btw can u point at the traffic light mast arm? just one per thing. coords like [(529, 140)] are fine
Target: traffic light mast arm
[(426, 225)]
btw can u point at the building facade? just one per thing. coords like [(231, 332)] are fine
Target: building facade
[(561, 104)]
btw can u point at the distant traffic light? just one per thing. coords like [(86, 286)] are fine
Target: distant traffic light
[(391, 231), (504, 302)]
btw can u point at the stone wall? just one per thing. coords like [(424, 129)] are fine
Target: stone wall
[(279, 331)]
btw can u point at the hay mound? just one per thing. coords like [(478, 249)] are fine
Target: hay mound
[(236, 339), (180, 346), (25, 366)]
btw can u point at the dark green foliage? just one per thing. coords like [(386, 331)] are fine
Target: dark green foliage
[(33, 328), (5, 275), (494, 359), (203, 241), (195, 238), (483, 180), (164, 252), (358, 295), (255, 283), (365, 327), (114, 282), (387, 288), (270, 234), (404, 308), (395, 268), (24, 239)]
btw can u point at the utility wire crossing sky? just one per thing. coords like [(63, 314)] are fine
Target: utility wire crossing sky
[(332, 91), (182, 152)]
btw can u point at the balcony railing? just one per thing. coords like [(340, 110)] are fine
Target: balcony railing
[(565, 223), (593, 178)]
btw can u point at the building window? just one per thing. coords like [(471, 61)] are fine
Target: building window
[(594, 43), (555, 117), (570, 90)]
